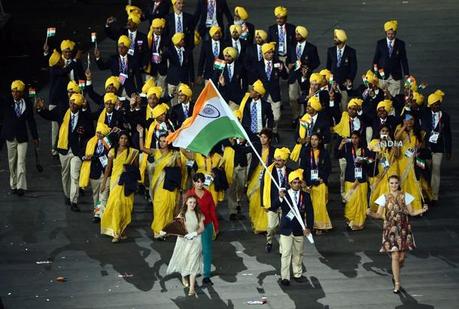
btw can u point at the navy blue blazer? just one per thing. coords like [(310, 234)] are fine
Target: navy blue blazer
[(272, 85), (207, 59), (178, 116), (348, 67), (140, 44), (309, 57), (200, 15), (267, 118), (188, 29), (15, 127), (273, 36), (444, 143), (59, 78), (234, 89), (159, 12), (177, 73), (395, 64), (324, 165)]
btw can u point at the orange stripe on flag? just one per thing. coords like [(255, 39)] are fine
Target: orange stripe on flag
[(206, 94)]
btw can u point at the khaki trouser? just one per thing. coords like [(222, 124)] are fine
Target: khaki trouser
[(293, 96), (342, 171), (344, 100), (160, 80), (54, 133), (394, 86), (70, 174), (236, 190), (435, 180), (17, 163), (172, 91), (99, 197), (149, 173), (273, 224), (276, 107), (292, 253)]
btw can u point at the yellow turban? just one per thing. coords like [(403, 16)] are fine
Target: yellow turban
[(160, 109), (280, 11), (110, 98), (73, 86), (102, 128), (148, 84), (157, 91), (77, 98), (263, 35), (241, 12), (197, 38), (54, 58), (326, 74), (298, 173), (267, 47), (18, 85), (236, 28), (230, 51), (176, 38), (259, 88), (124, 40), (67, 44), (303, 31), (391, 25), (132, 9), (340, 35), (114, 81), (135, 18), (435, 97), (314, 102), (386, 104), (355, 102), (316, 78), (158, 23), (281, 153), (418, 98), (186, 90), (173, 1), (371, 77), (214, 29), (374, 145)]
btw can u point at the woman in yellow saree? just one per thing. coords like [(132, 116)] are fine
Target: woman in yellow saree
[(117, 214), (205, 165), (164, 200)]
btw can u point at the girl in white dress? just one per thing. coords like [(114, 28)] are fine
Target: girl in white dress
[(187, 256)]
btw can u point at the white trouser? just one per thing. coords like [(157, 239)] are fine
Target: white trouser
[(71, 165), (437, 157), (54, 132), (17, 163)]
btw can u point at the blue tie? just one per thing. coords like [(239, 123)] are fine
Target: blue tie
[(179, 24), (269, 70), (253, 118), (340, 55), (298, 52), (17, 109), (72, 122), (180, 55), (215, 50), (109, 119), (389, 45)]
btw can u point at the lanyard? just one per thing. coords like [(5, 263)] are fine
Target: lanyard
[(314, 162), (354, 154)]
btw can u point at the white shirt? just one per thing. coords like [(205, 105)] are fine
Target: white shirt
[(294, 194), (177, 20), (381, 201), (132, 35), (436, 118), (259, 115), (180, 51), (109, 116), (67, 63), (211, 20), (355, 124), (301, 46), (237, 45), (75, 119), (157, 39), (280, 173), (283, 40), (342, 52), (186, 108), (230, 68), (390, 42), (22, 106), (314, 119), (259, 52), (213, 46)]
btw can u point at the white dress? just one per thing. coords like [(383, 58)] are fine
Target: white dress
[(187, 256)]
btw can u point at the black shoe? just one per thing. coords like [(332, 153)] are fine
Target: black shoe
[(268, 248), (233, 217), (299, 279), (67, 201), (74, 207), (207, 281), (81, 192), (14, 191), (95, 220), (275, 138), (285, 282), (20, 192)]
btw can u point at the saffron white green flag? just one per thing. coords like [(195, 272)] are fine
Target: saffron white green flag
[(212, 121)]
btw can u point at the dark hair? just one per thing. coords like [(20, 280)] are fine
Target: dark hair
[(184, 208), (357, 133), (394, 176), (121, 133), (199, 176), (268, 132), (320, 137)]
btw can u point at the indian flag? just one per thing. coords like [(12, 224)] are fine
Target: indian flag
[(219, 64), (211, 122), (51, 31), (93, 37)]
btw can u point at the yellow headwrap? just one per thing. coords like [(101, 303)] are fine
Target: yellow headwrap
[(259, 87), (186, 90), (374, 145), (135, 18), (236, 28), (158, 23), (110, 98), (268, 47), (280, 11), (391, 24), (54, 58), (314, 102), (316, 78), (305, 121), (386, 104), (157, 91), (67, 44), (18, 85), (282, 153), (197, 38), (148, 84), (342, 128), (124, 40), (73, 86), (435, 97), (160, 109), (230, 51), (77, 99), (239, 113), (102, 128), (340, 35), (371, 77), (298, 173), (63, 139), (132, 9), (418, 98), (213, 30), (303, 31), (326, 74), (176, 38), (114, 81), (355, 102), (173, 2), (262, 34), (241, 12)]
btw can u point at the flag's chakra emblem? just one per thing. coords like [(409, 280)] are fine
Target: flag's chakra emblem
[(210, 111)]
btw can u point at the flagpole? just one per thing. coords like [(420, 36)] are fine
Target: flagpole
[(231, 115)]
